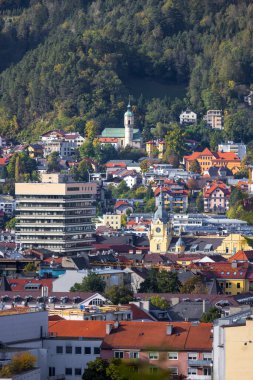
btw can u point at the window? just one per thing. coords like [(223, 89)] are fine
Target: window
[(59, 349), (192, 371), (207, 371), (119, 354), (192, 356), (96, 350), (68, 350), (78, 371), (68, 371), (78, 350), (173, 370), (87, 350), (238, 285), (134, 355), (51, 371), (207, 356), (154, 355), (173, 355)]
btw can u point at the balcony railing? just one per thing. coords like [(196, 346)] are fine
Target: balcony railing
[(199, 363)]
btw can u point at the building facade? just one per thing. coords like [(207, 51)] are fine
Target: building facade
[(159, 234), (55, 215), (214, 119), (237, 148)]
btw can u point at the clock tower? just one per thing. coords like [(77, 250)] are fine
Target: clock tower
[(160, 234)]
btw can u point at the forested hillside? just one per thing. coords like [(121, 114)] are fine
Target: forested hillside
[(65, 62)]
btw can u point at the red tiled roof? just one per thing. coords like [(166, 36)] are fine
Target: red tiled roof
[(228, 156), (121, 203), (18, 284), (224, 270), (108, 139), (241, 256), (3, 160), (138, 313), (217, 185), (143, 335), (115, 164), (85, 329)]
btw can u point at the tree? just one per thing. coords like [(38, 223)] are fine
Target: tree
[(160, 282), (159, 302), (96, 370), (200, 202), (168, 282), (195, 167), (11, 224), (118, 369), (19, 363), (92, 283), (193, 285), (87, 149), (30, 267), (236, 196), (212, 314), (174, 141), (144, 165), (119, 294), (91, 129), (150, 205), (53, 162)]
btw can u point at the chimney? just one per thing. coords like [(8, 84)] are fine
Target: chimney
[(169, 329), (234, 264), (204, 306), (108, 328)]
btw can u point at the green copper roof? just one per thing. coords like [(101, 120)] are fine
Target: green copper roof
[(120, 132)]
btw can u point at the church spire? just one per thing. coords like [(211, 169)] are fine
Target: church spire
[(161, 213)]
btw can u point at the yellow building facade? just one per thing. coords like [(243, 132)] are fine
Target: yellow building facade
[(238, 352), (160, 234), (234, 243), (112, 220)]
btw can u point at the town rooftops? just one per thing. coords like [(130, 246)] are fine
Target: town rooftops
[(161, 336)]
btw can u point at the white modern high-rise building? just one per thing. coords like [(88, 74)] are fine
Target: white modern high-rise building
[(55, 214)]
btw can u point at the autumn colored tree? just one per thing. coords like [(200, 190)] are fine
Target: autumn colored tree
[(195, 167)]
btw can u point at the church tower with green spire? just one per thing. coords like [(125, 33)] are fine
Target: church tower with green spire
[(160, 233), (129, 125)]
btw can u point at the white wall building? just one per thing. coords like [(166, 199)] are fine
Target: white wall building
[(25, 331), (188, 117), (72, 345), (7, 205), (237, 148)]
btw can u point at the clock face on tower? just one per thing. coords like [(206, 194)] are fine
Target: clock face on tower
[(158, 229)]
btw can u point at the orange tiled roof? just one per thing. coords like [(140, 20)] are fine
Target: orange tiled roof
[(108, 139), (217, 185), (121, 203), (227, 156), (143, 335), (85, 329)]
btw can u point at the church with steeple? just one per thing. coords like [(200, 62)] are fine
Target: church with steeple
[(127, 136), (160, 232)]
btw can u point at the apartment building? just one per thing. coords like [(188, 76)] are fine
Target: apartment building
[(216, 197), (183, 347), (231, 146), (55, 214), (112, 220), (214, 119)]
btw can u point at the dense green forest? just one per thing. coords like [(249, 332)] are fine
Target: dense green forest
[(63, 63)]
